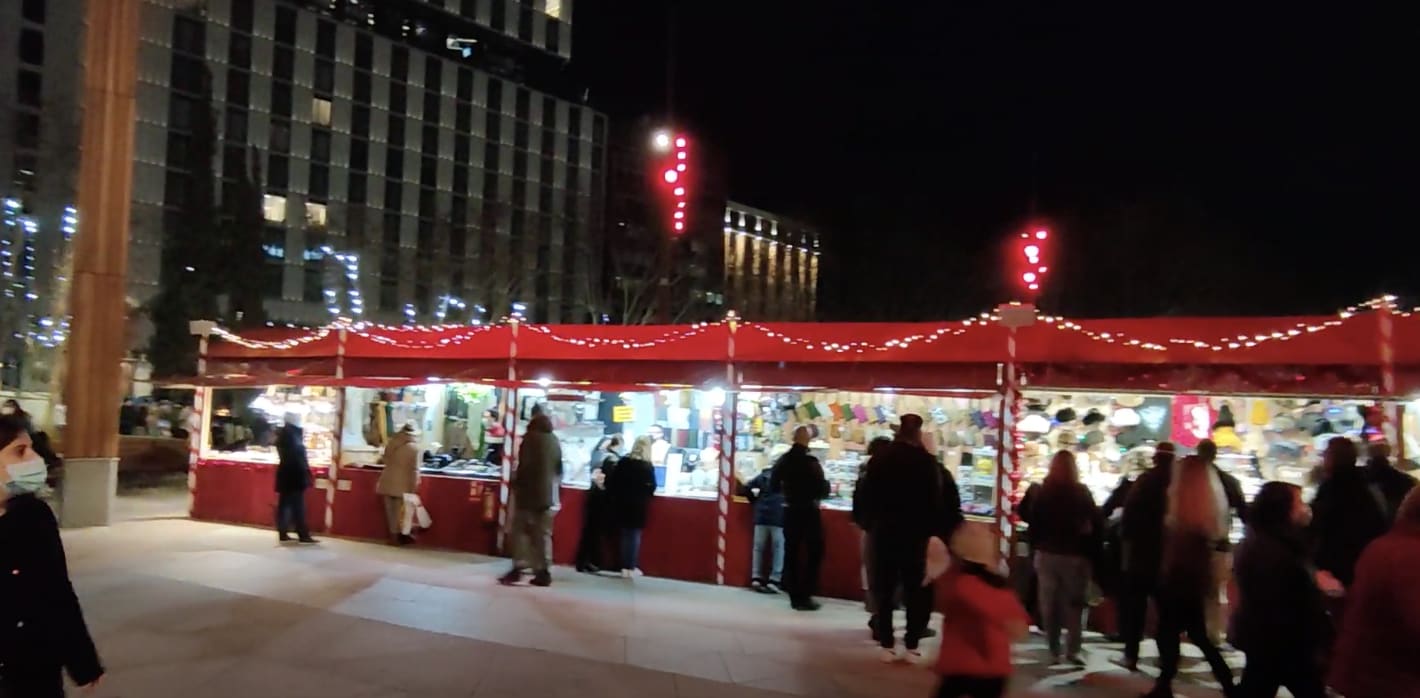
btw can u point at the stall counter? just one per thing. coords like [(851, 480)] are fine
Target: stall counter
[(463, 510), (678, 543), (243, 492)]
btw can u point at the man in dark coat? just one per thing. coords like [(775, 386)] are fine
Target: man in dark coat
[(1142, 534), (293, 478), (1345, 514), (1386, 480), (799, 476), (534, 485), (908, 497)]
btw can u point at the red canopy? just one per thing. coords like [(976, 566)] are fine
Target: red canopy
[(1320, 355)]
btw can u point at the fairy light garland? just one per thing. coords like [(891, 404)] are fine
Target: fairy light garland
[(859, 347), (279, 344), (627, 344)]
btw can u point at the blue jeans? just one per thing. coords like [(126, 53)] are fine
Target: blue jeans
[(630, 548), (765, 536)]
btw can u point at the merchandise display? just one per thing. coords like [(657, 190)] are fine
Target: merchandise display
[(243, 426), (959, 431)]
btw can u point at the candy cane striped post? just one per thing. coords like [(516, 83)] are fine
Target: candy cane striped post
[(510, 427), (1387, 347), (1006, 450), (197, 431), (727, 453), (333, 474)]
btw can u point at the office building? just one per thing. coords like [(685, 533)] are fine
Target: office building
[(771, 265)]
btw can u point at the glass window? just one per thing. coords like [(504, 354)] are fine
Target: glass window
[(498, 17), (320, 112), (399, 101), (399, 63), (246, 421), (495, 95), (359, 154), (320, 145), (281, 98), (360, 120), (463, 118), (238, 87), (325, 38), (320, 181), (429, 139), (356, 185), (396, 131), (273, 208), (283, 62), (394, 192), (239, 50), (178, 144), (242, 15), (188, 73), (32, 46), (394, 163), (554, 36), (525, 23), (285, 24), (364, 51), (29, 88), (34, 11), (465, 86), (428, 171), (433, 74), (180, 112), (278, 172), (432, 107), (325, 77), (362, 87), (522, 102), (468, 8), (175, 188), (280, 136), (188, 35), (233, 165), (315, 215)]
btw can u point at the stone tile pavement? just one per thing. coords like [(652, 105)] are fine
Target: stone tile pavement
[(183, 608)]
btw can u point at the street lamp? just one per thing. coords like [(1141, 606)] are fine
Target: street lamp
[(662, 140)]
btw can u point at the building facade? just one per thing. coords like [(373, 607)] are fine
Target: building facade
[(771, 265), (405, 176)]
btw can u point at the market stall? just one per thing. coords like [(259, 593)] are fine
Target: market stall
[(723, 397)]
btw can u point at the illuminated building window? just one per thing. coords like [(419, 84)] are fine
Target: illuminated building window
[(315, 214), (274, 208), (554, 8), (320, 112)]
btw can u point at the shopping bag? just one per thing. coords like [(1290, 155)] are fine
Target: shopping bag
[(414, 514)]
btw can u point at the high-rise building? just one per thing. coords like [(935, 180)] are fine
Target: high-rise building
[(424, 160), (771, 265), (642, 247)]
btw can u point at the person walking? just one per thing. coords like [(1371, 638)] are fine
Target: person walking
[(986, 617), (596, 521), (1376, 652), (1388, 484), (876, 447), (629, 488), (293, 478), (538, 474), (42, 629), (1346, 515), (908, 498), (1280, 621), (1141, 532), (799, 476), (1227, 492), (400, 477), (768, 532), (1066, 527), (1192, 525)]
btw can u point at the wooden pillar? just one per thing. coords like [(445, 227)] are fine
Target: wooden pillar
[(92, 390)]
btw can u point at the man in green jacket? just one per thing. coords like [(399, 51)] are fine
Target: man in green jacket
[(535, 484)]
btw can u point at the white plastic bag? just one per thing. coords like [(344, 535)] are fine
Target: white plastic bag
[(414, 514)]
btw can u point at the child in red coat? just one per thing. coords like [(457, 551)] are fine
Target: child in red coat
[(982, 618)]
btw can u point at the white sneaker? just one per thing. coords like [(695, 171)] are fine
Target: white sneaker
[(912, 656), (637, 573), (626, 574), (887, 655)]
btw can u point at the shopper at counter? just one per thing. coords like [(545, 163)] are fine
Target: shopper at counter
[(799, 476), (1142, 532), (1065, 529), (1345, 514), (42, 631), (1229, 495), (768, 531), (293, 478), (1375, 655), (1280, 620), (1191, 530), (538, 474), (629, 488), (596, 518), (1386, 480), (908, 498), (400, 477)]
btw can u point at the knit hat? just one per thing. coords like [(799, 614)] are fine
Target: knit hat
[(974, 542)]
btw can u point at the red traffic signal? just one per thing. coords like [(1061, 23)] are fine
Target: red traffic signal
[(1028, 260)]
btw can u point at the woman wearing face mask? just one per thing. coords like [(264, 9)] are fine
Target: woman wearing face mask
[(42, 631)]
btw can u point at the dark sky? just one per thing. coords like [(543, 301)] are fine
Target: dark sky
[(1191, 159)]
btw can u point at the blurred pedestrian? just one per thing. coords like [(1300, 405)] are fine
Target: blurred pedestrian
[(1346, 515), (876, 447), (1378, 652), (1388, 484), (799, 476), (768, 531), (1192, 526), (534, 485), (42, 630), (1142, 533), (293, 478), (596, 517), (985, 618), (1066, 529), (399, 478), (1228, 494), (1280, 619), (908, 498), (630, 487)]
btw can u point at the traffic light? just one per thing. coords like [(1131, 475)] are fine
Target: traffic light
[(672, 155), (1031, 266)]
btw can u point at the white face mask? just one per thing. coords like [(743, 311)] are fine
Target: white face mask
[(26, 477)]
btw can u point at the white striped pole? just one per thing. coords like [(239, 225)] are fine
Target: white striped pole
[(1006, 454), (332, 478), (197, 430), (510, 427), (727, 454)]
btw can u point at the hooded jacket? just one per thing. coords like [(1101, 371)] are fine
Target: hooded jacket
[(401, 459), (539, 472)]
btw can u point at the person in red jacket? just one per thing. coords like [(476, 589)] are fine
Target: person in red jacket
[(1376, 654), (984, 618)]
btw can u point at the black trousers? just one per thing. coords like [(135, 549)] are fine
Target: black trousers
[(900, 562), (1134, 593), (596, 533), (291, 513), (971, 687), (803, 552), (1185, 615), (1265, 673)]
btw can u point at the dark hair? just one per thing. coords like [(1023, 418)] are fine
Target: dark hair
[(11, 427), (1063, 471), (1342, 452), (1207, 450), (1271, 509), (878, 446)]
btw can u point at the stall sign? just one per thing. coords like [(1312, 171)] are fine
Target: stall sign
[(622, 414)]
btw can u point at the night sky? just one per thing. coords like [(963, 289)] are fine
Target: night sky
[(1217, 160)]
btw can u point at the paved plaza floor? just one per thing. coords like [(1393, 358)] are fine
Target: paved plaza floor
[(183, 608)]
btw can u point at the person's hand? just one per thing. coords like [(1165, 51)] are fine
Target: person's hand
[(91, 687), (1329, 584)]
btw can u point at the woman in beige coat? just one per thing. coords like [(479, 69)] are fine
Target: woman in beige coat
[(401, 477)]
